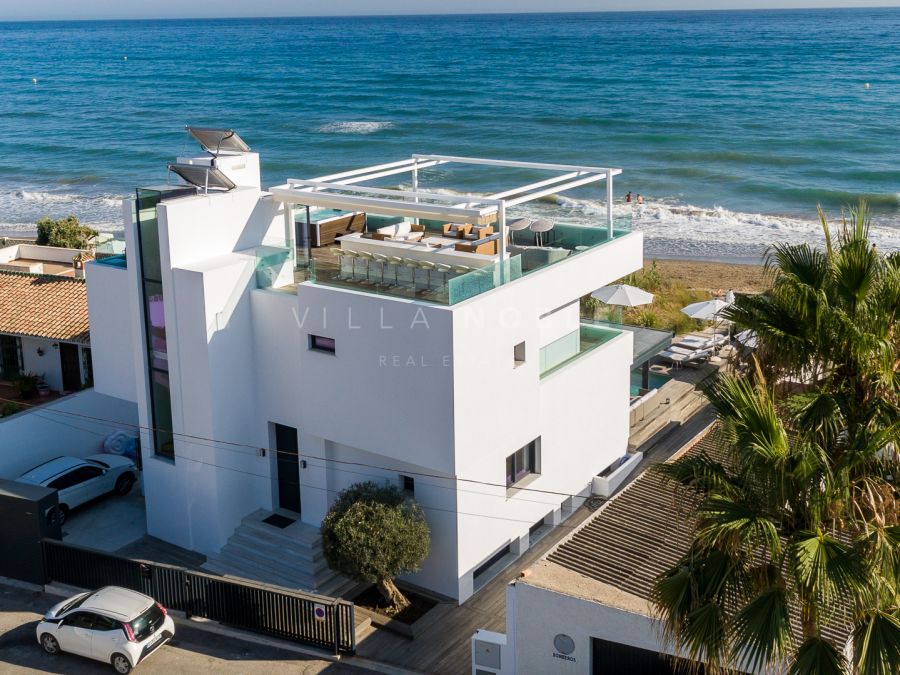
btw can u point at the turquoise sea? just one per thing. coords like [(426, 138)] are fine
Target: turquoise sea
[(733, 125)]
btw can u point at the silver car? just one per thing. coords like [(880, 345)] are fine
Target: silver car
[(80, 480)]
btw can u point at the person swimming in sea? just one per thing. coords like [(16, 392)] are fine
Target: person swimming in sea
[(640, 200), (628, 198)]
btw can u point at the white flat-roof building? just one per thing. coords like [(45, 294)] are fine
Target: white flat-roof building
[(282, 345)]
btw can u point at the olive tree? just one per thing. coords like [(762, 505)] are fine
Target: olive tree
[(373, 533), (66, 233)]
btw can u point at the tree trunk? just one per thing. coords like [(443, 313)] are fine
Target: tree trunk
[(392, 594)]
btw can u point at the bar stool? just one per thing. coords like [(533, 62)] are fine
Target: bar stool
[(396, 262), (366, 257), (412, 265), (382, 260), (444, 269), (462, 269), (427, 266), (352, 256)]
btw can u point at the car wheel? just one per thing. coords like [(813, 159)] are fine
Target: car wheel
[(121, 664), (58, 514), (49, 643), (124, 484)]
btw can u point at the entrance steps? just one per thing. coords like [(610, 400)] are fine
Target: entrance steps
[(290, 557)]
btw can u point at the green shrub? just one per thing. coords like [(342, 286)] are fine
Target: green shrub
[(10, 409), (66, 233)]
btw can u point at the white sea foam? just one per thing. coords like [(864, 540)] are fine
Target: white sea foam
[(21, 209), (354, 127), (673, 229)]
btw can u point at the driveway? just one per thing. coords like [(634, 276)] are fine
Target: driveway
[(192, 651), (108, 523)]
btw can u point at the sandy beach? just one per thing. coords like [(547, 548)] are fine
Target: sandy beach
[(712, 276)]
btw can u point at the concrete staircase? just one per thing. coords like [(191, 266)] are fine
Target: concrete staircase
[(290, 557)]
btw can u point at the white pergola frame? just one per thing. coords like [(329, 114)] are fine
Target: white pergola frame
[(343, 191)]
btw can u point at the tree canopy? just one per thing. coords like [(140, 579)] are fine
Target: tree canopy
[(796, 526), (373, 533), (66, 233)]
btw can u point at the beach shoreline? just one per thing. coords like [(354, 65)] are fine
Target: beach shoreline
[(710, 275)]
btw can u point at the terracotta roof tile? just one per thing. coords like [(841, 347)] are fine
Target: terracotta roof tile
[(43, 305)]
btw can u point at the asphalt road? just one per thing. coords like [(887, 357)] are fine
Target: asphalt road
[(191, 651)]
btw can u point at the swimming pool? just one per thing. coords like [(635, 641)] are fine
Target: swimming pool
[(656, 381)]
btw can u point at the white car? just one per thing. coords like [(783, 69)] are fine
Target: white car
[(113, 625), (81, 480)]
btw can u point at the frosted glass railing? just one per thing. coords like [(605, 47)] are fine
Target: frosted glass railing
[(478, 281), (273, 266), (572, 346)]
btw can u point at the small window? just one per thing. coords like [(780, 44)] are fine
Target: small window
[(408, 484), (523, 462), (105, 623), (80, 620), (322, 344), (519, 354)]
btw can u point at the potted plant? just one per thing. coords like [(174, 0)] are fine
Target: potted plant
[(27, 384)]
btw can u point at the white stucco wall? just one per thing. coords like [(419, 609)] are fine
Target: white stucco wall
[(48, 365), (60, 428), (388, 388), (536, 615), (113, 336)]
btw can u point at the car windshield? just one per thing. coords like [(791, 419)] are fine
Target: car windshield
[(75, 602), (146, 624)]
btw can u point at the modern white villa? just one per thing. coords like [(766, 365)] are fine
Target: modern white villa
[(285, 343)]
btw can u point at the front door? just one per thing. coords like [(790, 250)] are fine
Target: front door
[(9, 357), (71, 369), (287, 453)]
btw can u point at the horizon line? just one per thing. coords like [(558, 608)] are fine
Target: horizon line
[(439, 14)]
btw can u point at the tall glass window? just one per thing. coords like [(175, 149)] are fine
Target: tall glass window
[(147, 227)]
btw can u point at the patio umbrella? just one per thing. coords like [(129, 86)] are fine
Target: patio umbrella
[(516, 225), (623, 294), (705, 310), (539, 227)]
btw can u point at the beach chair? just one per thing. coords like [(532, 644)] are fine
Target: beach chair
[(679, 360)]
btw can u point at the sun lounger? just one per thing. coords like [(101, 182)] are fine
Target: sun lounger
[(679, 360), (707, 342)]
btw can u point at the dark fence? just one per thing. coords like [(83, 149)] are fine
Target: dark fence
[(305, 618)]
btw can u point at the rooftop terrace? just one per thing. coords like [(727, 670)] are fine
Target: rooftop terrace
[(432, 244)]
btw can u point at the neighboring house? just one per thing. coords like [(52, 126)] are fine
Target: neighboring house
[(585, 607), (44, 329), (285, 344)]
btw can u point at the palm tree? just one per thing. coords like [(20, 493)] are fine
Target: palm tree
[(795, 542), (831, 319)]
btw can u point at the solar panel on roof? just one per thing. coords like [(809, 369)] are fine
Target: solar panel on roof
[(218, 140), (205, 177)]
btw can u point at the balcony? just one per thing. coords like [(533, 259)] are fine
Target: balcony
[(565, 350)]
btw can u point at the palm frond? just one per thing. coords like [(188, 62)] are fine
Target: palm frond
[(762, 630), (736, 525), (826, 569), (818, 656), (876, 643)]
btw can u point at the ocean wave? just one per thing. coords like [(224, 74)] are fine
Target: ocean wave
[(676, 229), (358, 127), (21, 208)]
